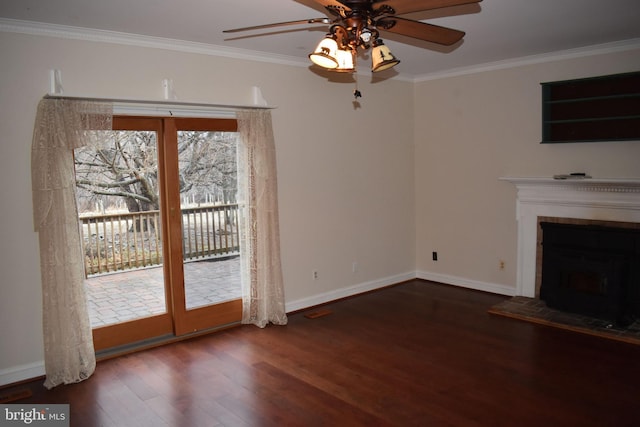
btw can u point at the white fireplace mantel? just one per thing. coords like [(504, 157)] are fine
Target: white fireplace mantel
[(588, 198)]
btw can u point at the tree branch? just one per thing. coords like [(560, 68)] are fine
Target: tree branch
[(89, 183), (119, 194)]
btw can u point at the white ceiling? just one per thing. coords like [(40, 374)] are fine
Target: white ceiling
[(496, 30)]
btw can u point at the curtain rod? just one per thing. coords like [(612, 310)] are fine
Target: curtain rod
[(162, 103)]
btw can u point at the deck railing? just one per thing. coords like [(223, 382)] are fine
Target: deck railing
[(126, 241)]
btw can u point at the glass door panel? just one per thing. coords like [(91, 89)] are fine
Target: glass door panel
[(208, 293), (208, 202), (117, 180)]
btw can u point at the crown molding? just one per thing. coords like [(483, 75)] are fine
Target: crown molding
[(114, 37), (137, 40), (600, 49), (128, 39)]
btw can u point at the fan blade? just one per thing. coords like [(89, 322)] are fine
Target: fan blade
[(407, 6), (333, 3), (335, 7), (281, 24), (420, 30)]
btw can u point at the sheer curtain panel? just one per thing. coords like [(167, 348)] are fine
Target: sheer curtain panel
[(61, 126), (262, 284)]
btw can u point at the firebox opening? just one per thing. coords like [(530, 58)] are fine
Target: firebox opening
[(592, 270), (587, 282)]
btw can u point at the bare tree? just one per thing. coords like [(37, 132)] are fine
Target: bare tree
[(124, 168), (207, 164)]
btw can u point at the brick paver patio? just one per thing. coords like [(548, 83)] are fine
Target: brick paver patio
[(118, 297)]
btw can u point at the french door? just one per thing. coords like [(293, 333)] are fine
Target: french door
[(177, 213), (189, 314)]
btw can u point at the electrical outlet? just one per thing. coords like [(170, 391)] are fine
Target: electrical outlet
[(501, 265), (434, 256), (314, 274), (354, 267)]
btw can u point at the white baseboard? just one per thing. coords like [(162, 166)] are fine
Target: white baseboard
[(337, 294), (493, 288), (34, 370), (347, 292), (21, 373)]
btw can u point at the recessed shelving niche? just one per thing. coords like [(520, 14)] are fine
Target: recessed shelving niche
[(605, 108)]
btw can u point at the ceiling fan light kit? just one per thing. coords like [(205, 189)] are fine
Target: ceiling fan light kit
[(356, 24), (337, 51)]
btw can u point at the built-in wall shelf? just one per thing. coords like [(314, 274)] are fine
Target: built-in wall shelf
[(605, 108)]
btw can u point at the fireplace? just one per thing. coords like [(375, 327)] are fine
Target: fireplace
[(610, 200), (591, 269)]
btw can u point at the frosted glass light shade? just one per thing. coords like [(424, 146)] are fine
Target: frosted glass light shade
[(382, 58), (346, 61), (325, 55)]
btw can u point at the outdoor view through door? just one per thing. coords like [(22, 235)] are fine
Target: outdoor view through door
[(159, 220)]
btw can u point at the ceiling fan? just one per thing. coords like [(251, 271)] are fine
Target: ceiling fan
[(356, 24)]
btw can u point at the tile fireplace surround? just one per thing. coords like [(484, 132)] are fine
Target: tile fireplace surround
[(589, 199)]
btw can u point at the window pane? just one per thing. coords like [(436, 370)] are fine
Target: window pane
[(208, 201), (119, 213)]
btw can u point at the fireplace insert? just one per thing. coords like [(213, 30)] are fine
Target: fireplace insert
[(592, 270)]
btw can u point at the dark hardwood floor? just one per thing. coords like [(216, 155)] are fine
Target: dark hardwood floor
[(416, 354)]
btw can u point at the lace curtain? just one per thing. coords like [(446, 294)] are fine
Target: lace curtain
[(61, 127), (263, 289)]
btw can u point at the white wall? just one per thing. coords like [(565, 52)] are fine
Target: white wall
[(414, 170), (469, 131), (345, 176)]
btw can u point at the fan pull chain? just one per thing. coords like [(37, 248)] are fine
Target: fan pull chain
[(356, 93)]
